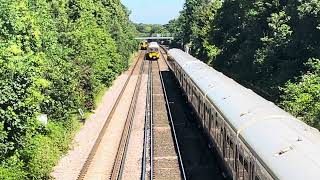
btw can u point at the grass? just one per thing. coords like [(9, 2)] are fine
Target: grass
[(132, 57), (99, 96)]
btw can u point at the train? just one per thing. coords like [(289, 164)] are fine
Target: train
[(254, 138), (143, 45), (153, 51)]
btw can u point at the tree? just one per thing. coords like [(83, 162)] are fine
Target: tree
[(262, 44), (55, 57)]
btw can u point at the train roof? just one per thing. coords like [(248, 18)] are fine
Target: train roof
[(153, 45), (287, 146)]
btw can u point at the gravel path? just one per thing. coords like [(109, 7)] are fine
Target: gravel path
[(71, 164)]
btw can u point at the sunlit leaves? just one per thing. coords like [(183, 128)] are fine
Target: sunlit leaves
[(303, 99), (272, 45), (54, 57)]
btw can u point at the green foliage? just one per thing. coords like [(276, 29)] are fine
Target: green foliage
[(151, 29), (42, 151), (192, 28), (55, 56), (302, 99), (40, 155), (269, 45), (12, 169)]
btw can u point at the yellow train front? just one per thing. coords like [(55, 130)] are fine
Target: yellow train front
[(153, 51), (144, 45)]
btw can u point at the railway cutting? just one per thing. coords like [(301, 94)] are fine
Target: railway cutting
[(141, 138)]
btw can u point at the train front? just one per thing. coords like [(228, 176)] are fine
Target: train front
[(144, 45), (153, 51)]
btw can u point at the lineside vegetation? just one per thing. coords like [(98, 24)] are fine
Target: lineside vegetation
[(146, 30), (271, 46), (55, 56)]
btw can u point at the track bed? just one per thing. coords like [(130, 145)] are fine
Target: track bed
[(165, 160)]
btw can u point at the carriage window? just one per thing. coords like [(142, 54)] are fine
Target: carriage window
[(203, 110), (220, 136), (199, 109), (245, 164), (243, 168), (217, 130), (154, 49), (231, 145), (232, 153), (194, 99), (227, 147)]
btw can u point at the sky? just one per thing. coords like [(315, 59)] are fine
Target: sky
[(153, 11)]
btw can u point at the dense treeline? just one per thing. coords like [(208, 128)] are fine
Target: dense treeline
[(55, 56), (271, 46), (146, 30)]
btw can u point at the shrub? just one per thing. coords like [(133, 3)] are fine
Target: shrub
[(55, 56), (302, 98)]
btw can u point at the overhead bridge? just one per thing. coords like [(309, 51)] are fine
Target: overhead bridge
[(154, 38)]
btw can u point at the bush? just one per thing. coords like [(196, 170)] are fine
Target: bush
[(302, 99), (12, 169), (262, 44), (40, 155), (55, 56)]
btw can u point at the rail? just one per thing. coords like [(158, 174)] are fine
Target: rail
[(148, 139), (119, 162), (183, 174), (93, 151)]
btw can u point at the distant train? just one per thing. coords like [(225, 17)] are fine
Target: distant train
[(144, 45), (255, 139), (153, 51)]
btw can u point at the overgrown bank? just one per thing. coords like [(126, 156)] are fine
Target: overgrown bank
[(55, 56), (271, 46)]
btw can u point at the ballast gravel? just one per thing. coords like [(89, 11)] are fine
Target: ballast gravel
[(70, 165)]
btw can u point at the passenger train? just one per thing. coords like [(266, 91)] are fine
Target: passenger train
[(255, 139), (153, 51), (144, 45)]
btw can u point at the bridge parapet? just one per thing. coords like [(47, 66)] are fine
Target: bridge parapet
[(154, 38)]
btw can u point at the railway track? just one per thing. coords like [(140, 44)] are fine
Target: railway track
[(200, 160), (147, 166), (161, 156), (175, 138), (116, 167)]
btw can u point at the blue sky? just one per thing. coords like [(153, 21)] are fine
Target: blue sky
[(153, 11)]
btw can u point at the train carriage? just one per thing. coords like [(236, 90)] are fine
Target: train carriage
[(153, 51), (143, 45), (255, 138)]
